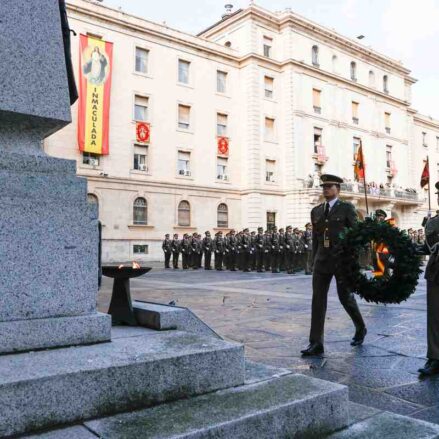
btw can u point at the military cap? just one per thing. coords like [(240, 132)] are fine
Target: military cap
[(380, 212), (245, 230), (307, 224), (260, 229), (437, 187), (330, 179)]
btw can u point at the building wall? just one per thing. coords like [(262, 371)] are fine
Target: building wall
[(247, 193)]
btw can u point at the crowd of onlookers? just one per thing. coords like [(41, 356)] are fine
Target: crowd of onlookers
[(272, 250)]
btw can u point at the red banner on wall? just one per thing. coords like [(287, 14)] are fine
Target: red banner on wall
[(95, 68), (143, 132), (223, 146)]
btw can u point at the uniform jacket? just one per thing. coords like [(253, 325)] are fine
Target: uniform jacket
[(175, 246), (341, 215), (246, 243), (219, 245), (186, 247), (207, 245), (166, 245), (259, 242), (290, 244), (307, 237)]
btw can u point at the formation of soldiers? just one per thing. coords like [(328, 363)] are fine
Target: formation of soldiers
[(274, 250)]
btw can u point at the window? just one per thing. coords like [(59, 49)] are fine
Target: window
[(269, 129), (141, 108), (221, 124), (222, 216), (385, 84), (316, 96), (142, 60), (315, 56), (356, 145), (317, 139), (93, 200), (334, 64), (88, 158), (183, 71), (387, 122), (268, 86), (355, 107), (221, 81), (184, 113), (388, 156), (184, 213), (140, 249), (371, 78), (267, 45), (183, 164), (270, 166), (271, 220), (353, 71), (140, 211), (140, 162), (221, 168), (424, 139)]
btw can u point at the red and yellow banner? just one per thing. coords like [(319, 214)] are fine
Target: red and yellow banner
[(223, 146), (143, 132), (95, 68)]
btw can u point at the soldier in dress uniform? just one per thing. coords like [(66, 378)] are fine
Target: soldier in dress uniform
[(246, 249), (259, 249), (431, 247), (281, 249), (186, 251), (194, 251), (219, 249), (307, 237), (207, 250), (233, 249), (290, 247), (253, 251), (166, 247), (275, 251), (296, 259), (328, 220), (175, 248), (267, 251), (239, 250), (226, 259)]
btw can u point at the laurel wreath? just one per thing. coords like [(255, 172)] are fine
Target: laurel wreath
[(405, 262)]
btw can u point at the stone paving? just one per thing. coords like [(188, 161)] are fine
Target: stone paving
[(270, 314)]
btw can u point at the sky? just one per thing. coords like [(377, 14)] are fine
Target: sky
[(406, 30)]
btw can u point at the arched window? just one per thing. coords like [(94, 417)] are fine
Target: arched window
[(140, 211), (223, 216), (334, 64), (371, 78), (315, 56), (93, 200), (184, 213), (353, 71), (385, 84)]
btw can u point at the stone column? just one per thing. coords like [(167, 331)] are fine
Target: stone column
[(48, 233)]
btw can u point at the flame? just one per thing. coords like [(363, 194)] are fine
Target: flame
[(135, 265)]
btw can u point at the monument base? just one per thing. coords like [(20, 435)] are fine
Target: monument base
[(28, 335)]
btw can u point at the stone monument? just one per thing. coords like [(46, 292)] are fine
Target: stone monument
[(48, 233)]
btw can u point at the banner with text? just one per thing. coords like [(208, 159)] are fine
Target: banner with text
[(95, 65)]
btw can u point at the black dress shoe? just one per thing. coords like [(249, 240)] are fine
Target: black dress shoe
[(431, 368), (359, 336), (313, 349)]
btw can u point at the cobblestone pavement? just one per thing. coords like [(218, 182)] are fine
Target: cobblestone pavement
[(270, 314)]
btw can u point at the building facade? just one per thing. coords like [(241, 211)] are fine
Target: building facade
[(293, 99)]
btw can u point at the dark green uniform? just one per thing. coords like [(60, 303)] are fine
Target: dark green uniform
[(326, 231), (166, 247), (175, 248)]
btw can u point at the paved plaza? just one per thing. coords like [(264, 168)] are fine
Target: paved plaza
[(270, 314)]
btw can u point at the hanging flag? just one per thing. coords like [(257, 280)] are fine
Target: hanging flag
[(425, 177), (223, 146), (142, 132), (359, 166), (95, 68)]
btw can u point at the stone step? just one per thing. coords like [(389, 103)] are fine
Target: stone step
[(389, 426), (288, 406), (164, 317), (42, 389)]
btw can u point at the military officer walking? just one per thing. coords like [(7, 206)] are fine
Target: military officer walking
[(207, 250), (166, 247), (175, 248), (328, 221)]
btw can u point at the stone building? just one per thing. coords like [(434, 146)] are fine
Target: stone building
[(293, 98)]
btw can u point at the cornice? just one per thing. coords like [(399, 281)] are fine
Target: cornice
[(420, 119)]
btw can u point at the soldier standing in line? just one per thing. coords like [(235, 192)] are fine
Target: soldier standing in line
[(186, 251), (281, 249), (290, 248), (307, 236), (296, 259), (246, 249), (200, 250), (207, 250), (226, 259), (328, 220), (239, 250), (220, 250), (166, 247), (194, 252), (233, 248), (302, 251), (267, 251), (275, 251), (259, 249), (253, 251), (175, 248)]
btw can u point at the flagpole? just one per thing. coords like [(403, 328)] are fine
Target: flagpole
[(364, 179), (429, 186)]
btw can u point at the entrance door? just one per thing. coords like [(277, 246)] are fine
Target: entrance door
[(271, 220)]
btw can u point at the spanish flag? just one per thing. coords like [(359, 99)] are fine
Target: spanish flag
[(95, 69), (359, 166), (425, 177)]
